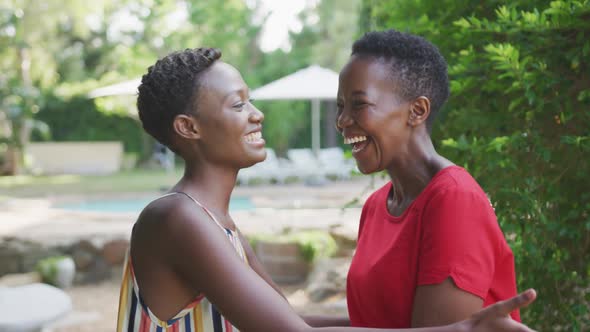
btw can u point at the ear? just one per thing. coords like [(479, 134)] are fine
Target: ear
[(186, 126), (419, 111)]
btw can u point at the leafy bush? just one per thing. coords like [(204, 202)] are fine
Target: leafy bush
[(56, 270), (79, 119), (312, 244)]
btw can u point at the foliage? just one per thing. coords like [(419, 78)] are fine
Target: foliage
[(34, 55), (78, 47), (48, 269), (69, 119), (518, 120), (324, 40)]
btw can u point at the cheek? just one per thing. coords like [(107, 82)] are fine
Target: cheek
[(388, 134), (229, 127)]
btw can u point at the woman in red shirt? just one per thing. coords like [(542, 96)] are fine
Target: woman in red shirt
[(430, 250)]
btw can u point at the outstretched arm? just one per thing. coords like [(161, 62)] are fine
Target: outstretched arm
[(205, 258)]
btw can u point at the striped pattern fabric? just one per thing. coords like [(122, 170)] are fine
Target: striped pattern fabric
[(199, 316)]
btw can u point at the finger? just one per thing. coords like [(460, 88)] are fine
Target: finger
[(520, 301)]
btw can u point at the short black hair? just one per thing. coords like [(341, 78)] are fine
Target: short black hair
[(416, 65), (170, 88)]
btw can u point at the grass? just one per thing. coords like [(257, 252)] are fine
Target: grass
[(127, 181)]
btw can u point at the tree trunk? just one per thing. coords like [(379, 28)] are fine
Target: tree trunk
[(12, 163)]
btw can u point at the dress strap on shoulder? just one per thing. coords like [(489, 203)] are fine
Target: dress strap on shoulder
[(200, 205)]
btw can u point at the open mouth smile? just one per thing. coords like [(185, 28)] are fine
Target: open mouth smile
[(358, 143), (255, 137)]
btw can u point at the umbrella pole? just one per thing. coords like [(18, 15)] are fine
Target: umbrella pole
[(315, 126)]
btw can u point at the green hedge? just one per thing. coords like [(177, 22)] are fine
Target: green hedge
[(79, 119), (518, 119)]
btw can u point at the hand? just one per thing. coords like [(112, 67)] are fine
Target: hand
[(497, 316)]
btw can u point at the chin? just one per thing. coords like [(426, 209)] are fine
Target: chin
[(368, 168), (255, 159), (261, 156)]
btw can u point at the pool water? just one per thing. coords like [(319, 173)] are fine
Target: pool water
[(136, 205)]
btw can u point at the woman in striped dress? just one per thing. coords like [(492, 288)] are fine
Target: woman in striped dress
[(189, 268)]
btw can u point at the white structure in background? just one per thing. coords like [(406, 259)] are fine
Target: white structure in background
[(30, 308), (312, 83), (302, 164), (118, 89), (162, 155), (271, 169), (335, 163), (330, 162), (92, 158)]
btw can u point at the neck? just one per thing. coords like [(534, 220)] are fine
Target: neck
[(412, 172), (210, 184)]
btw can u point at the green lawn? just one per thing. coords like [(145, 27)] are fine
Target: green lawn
[(128, 181)]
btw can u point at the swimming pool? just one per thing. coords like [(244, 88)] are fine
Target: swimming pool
[(135, 205)]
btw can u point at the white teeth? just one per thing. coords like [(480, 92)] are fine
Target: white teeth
[(253, 137), (355, 139)]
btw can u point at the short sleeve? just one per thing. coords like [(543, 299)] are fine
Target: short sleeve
[(459, 239)]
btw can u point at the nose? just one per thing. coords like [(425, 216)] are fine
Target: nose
[(256, 115), (343, 120)]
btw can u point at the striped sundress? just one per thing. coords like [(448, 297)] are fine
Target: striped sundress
[(199, 316)]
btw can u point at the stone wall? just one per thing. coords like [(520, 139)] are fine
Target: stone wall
[(96, 260)]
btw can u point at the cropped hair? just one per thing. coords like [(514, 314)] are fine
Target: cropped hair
[(416, 65), (171, 87)]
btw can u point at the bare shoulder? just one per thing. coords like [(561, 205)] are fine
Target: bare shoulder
[(168, 220)]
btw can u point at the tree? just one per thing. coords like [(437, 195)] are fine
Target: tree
[(325, 39), (518, 120), (22, 32)]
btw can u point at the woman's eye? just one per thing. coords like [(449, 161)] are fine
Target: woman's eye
[(239, 106), (359, 104)]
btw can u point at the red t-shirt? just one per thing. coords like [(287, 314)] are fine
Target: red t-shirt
[(450, 230)]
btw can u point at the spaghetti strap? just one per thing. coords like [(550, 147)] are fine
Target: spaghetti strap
[(201, 206)]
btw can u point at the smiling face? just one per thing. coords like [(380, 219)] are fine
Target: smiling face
[(371, 115), (229, 126)]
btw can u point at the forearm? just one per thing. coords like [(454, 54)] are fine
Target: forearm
[(324, 321)]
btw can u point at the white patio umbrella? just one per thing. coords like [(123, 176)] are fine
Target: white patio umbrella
[(312, 83), (118, 89)]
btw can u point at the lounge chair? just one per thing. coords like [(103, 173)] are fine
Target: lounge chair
[(335, 163), (306, 165), (271, 169)]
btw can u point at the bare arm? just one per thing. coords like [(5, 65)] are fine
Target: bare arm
[(257, 266), (311, 320), (202, 255), (443, 304)]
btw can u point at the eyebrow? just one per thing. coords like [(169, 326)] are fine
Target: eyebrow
[(354, 93), (237, 92)]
